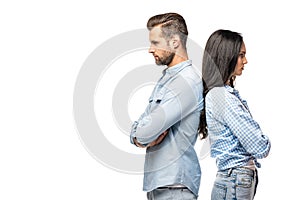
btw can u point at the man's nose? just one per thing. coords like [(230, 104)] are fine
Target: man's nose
[(151, 49)]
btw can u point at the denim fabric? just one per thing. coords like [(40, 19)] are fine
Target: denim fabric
[(174, 105), (171, 194), (235, 184)]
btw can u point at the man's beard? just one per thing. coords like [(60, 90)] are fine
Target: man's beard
[(166, 59)]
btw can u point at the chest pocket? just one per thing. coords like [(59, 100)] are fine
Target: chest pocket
[(157, 96)]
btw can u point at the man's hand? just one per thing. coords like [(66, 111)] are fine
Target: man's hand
[(159, 139), (155, 142), (138, 144)]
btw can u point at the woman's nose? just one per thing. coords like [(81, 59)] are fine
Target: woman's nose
[(245, 60)]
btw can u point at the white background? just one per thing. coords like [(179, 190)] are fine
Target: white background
[(43, 45)]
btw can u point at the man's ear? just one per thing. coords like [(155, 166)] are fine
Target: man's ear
[(175, 41)]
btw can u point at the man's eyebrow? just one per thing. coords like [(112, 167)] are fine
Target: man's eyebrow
[(153, 41)]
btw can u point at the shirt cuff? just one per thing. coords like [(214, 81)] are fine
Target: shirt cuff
[(133, 134), (133, 130)]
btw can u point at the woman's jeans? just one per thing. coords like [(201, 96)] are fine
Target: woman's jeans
[(235, 184)]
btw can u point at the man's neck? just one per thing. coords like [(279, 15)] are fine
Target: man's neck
[(178, 58)]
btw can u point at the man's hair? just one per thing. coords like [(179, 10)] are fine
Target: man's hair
[(171, 24)]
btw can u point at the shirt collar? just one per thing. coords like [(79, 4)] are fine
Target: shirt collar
[(176, 68), (231, 90)]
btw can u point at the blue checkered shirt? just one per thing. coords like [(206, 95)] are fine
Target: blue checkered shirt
[(235, 137)]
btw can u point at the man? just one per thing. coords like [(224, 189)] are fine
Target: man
[(168, 127)]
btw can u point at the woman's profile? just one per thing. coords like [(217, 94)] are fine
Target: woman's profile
[(236, 139)]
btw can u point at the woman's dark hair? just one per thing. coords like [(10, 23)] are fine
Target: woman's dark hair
[(219, 60), (171, 24)]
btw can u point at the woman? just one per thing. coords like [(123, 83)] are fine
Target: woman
[(236, 139)]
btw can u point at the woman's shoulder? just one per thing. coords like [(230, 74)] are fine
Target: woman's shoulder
[(221, 94), (217, 92)]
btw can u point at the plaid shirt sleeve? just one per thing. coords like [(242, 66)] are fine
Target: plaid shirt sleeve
[(245, 128)]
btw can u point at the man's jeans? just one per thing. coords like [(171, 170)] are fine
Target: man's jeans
[(171, 194), (235, 183)]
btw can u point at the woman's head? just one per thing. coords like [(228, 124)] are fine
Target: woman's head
[(223, 59)]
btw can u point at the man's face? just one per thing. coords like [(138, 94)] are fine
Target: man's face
[(160, 47)]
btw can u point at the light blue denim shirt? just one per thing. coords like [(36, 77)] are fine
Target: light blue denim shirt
[(235, 137), (174, 104)]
